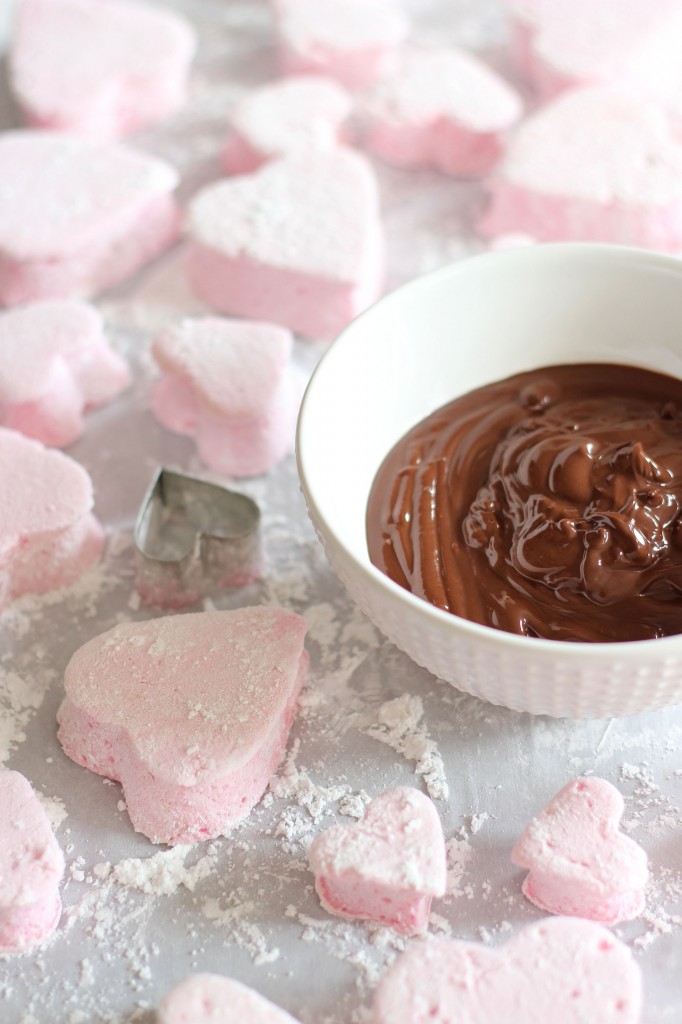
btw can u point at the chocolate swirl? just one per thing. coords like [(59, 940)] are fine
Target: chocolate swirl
[(547, 504)]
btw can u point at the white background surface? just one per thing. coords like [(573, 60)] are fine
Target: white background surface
[(255, 916)]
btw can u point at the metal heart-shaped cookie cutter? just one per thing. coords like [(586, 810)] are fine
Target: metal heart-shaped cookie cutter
[(194, 538)]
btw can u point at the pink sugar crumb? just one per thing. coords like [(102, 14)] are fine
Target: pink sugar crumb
[(186, 776)]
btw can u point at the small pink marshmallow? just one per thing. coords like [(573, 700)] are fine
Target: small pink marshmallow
[(578, 862), (31, 868), (211, 999), (55, 364), (99, 68), (560, 970), (52, 247), (593, 165), (388, 866), (298, 243), (442, 108), (230, 384), (190, 713), (353, 41), (283, 117), (48, 535)]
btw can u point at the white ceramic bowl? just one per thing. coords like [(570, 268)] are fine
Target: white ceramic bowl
[(438, 337)]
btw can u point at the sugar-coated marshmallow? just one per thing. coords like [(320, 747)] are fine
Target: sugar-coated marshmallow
[(48, 534), (190, 713), (76, 216), (99, 67), (561, 970), (351, 40), (31, 868), (441, 108), (283, 117), (230, 384), (388, 866), (578, 862), (633, 44), (212, 999), (55, 363), (298, 243), (593, 165)]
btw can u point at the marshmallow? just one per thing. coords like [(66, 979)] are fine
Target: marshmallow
[(54, 364), (190, 713), (283, 117), (230, 384), (351, 40), (593, 165), (48, 535), (98, 67), (442, 108), (386, 867), (578, 862), (560, 970), (298, 243), (210, 999), (77, 217), (622, 43), (31, 867)]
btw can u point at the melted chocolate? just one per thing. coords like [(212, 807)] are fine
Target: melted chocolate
[(547, 504)]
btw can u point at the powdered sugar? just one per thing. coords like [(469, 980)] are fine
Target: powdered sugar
[(399, 724)]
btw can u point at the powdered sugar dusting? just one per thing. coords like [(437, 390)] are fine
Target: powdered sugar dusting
[(399, 724)]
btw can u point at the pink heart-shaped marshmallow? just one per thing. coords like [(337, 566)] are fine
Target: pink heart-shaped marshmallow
[(386, 867), (284, 117), (99, 67), (592, 165), (442, 108), (191, 713), (298, 243), (54, 364), (230, 384), (560, 970), (212, 999), (634, 44), (32, 867), (76, 216), (48, 535), (578, 861)]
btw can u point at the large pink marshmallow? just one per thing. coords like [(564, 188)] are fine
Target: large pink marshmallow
[(230, 384), (578, 862), (561, 970), (442, 108), (190, 713), (99, 67), (298, 243), (77, 217), (634, 44), (593, 165), (283, 117), (353, 41), (388, 866), (55, 363), (48, 535), (31, 868), (212, 999)]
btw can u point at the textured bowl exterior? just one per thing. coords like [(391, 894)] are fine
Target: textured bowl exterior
[(538, 676)]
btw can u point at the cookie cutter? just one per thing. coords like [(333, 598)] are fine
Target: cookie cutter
[(194, 538)]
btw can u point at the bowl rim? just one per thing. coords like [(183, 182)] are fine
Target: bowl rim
[(638, 650)]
